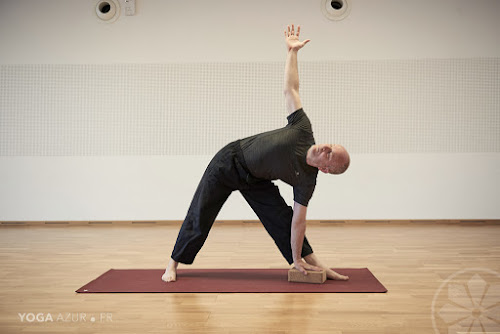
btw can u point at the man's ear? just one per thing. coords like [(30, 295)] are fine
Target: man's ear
[(323, 169)]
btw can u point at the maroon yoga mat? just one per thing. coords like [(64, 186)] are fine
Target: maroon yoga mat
[(226, 280)]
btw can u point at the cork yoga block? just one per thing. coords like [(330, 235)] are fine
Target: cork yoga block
[(312, 276)]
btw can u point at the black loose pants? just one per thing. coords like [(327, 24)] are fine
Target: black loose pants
[(228, 172)]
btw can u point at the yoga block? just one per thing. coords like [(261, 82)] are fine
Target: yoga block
[(312, 276)]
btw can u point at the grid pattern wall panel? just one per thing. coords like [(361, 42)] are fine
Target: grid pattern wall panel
[(391, 106), (406, 106)]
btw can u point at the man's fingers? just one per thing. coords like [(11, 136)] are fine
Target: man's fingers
[(314, 268), (298, 31), (301, 268)]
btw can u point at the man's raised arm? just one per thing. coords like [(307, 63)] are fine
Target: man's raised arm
[(291, 88)]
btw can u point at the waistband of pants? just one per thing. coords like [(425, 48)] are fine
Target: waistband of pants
[(240, 157), (240, 160)]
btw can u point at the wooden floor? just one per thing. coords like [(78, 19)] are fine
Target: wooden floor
[(429, 270)]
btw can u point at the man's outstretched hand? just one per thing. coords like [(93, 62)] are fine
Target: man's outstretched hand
[(303, 266), (292, 39)]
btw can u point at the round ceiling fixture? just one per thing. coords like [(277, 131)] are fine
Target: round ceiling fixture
[(107, 10), (336, 10)]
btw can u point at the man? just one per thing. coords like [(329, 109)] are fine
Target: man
[(250, 164)]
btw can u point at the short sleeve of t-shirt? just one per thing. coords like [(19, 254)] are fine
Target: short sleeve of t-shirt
[(299, 120), (302, 194)]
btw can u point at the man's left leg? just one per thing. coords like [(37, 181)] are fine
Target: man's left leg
[(217, 183)]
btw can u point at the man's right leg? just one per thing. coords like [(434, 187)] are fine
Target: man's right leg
[(276, 216)]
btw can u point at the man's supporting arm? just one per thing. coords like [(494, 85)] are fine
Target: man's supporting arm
[(297, 238)]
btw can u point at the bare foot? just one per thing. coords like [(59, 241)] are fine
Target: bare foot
[(330, 274), (170, 274)]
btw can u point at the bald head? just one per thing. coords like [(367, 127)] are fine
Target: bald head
[(341, 160)]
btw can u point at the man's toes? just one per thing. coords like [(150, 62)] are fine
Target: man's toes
[(168, 278)]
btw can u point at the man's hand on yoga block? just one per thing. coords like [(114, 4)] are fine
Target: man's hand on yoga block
[(303, 266)]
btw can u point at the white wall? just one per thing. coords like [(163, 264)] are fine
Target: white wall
[(43, 179), (378, 186), (164, 31)]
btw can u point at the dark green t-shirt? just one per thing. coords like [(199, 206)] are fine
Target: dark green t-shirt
[(281, 154)]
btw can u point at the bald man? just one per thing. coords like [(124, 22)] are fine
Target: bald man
[(250, 165)]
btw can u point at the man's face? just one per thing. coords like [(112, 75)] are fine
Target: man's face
[(322, 156)]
